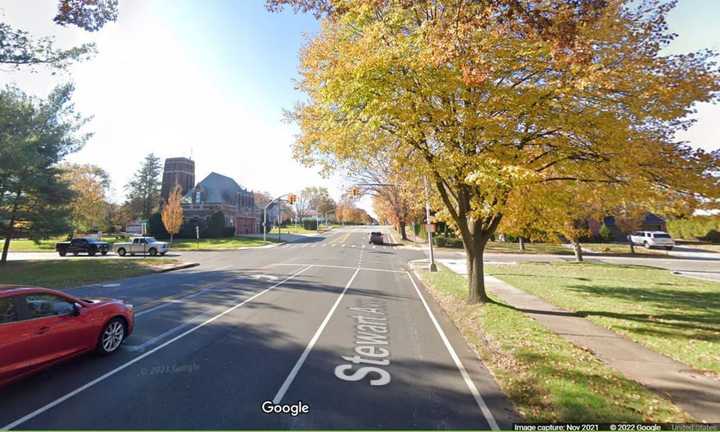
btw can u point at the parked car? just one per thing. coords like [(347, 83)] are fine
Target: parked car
[(77, 246), (141, 245), (40, 327), (651, 239), (376, 238)]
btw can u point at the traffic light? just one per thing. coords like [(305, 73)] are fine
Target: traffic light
[(292, 198)]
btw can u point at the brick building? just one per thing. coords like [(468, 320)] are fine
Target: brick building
[(217, 192), (177, 171)]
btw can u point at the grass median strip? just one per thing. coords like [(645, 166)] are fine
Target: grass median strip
[(547, 378), (71, 273), (672, 315)]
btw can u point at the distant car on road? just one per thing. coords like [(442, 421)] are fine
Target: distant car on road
[(651, 239), (77, 246), (141, 245), (40, 327), (376, 238)]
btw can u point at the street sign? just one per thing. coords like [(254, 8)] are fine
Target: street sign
[(431, 227)]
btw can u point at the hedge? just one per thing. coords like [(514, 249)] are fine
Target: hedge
[(706, 228)]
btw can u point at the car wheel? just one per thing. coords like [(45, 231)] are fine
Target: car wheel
[(163, 253), (62, 253), (111, 336), (647, 245), (152, 251), (104, 253), (91, 253), (668, 248), (121, 251), (76, 253)]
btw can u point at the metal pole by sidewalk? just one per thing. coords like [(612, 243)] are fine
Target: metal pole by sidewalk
[(433, 266)]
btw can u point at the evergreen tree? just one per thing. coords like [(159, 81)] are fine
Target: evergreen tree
[(144, 188), (37, 135)]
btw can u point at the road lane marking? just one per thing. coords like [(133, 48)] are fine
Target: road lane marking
[(342, 267), (465, 375), (293, 373), (143, 346), (170, 302), (129, 363)]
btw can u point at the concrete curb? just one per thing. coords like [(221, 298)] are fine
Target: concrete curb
[(177, 267)]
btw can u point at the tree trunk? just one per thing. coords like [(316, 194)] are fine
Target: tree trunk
[(171, 238), (6, 247), (403, 233), (9, 231), (522, 243), (578, 251), (475, 267)]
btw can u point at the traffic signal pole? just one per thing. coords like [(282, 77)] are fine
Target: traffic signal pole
[(277, 199)]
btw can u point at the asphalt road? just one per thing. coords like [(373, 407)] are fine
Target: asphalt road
[(331, 322)]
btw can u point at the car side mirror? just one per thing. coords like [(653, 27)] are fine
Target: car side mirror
[(76, 309)]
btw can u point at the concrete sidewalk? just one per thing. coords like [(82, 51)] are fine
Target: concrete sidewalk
[(694, 392)]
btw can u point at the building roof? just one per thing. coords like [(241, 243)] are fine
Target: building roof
[(218, 189)]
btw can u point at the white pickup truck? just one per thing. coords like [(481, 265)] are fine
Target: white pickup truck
[(141, 245)]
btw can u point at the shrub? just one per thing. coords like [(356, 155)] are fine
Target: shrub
[(605, 233), (216, 225), (156, 227), (310, 224)]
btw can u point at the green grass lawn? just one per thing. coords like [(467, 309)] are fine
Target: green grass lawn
[(64, 273), (293, 229), (530, 248), (547, 378), (24, 245), (673, 315), (220, 243), (622, 249)]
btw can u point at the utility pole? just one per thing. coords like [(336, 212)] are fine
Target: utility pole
[(433, 266)]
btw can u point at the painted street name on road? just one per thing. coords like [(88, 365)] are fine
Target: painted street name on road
[(371, 331)]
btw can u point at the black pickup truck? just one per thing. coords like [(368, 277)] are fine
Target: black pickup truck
[(82, 245)]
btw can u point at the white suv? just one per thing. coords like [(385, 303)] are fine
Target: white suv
[(651, 239)]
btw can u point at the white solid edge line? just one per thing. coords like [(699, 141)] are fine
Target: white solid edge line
[(291, 376), (107, 375), (466, 377)]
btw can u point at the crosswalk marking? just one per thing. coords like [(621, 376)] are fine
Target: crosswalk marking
[(314, 245)]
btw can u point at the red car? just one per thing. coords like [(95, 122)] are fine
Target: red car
[(39, 327)]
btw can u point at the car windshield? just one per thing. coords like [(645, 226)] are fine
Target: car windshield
[(661, 235), (150, 239)]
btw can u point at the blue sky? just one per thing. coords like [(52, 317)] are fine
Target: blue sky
[(212, 77)]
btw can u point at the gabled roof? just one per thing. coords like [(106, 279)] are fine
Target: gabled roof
[(218, 188)]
